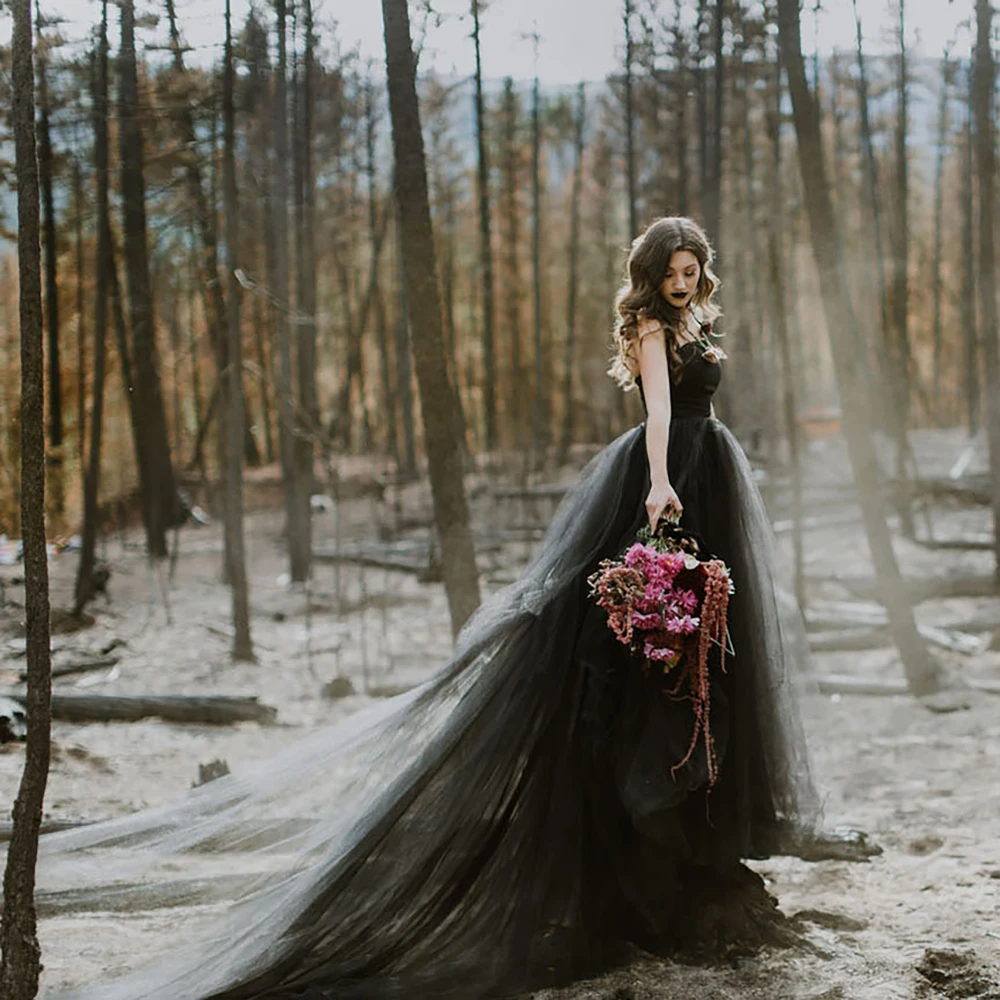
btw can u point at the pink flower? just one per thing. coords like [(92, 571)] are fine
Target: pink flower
[(686, 599), (638, 556), (670, 563), (662, 654), (684, 625), (647, 622)]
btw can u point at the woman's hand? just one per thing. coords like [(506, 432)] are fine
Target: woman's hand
[(662, 499)]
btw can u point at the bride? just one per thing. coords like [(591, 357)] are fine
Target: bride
[(518, 820)]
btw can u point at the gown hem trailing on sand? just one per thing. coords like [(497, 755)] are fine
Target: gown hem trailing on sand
[(512, 821)]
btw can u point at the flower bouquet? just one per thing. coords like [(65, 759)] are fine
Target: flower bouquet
[(666, 599)]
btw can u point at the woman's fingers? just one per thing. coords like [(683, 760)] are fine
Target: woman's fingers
[(654, 511)]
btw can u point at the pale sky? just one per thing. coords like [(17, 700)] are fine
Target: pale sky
[(579, 39)]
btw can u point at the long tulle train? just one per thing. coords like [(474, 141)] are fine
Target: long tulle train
[(513, 821)]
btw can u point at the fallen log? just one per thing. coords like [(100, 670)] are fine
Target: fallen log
[(79, 667), (830, 520), (973, 489), (890, 686), (965, 585), (856, 639), (825, 615), (209, 709), (543, 491), (416, 556), (830, 616), (847, 640), (978, 544), (844, 684), (48, 826)]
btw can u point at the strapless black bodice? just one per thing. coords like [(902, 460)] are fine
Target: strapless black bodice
[(691, 395)]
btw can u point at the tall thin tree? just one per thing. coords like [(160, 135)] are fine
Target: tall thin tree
[(512, 280), (983, 99), (202, 204), (828, 251), (630, 178), (970, 329), (46, 166), (900, 276), (83, 588), (779, 309), (81, 327), (713, 183), (236, 570), (701, 96), (297, 527), (404, 366), (159, 502), (20, 953), (444, 453), (681, 71), (540, 428), (938, 238), (375, 238), (485, 242), (569, 359), (891, 409), (307, 417)]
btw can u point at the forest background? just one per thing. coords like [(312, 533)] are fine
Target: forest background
[(695, 113), (243, 265)]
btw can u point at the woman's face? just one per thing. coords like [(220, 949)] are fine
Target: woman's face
[(681, 278)]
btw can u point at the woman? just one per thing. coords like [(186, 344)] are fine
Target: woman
[(519, 819)]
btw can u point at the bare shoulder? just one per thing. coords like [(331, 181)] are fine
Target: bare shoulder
[(647, 326)]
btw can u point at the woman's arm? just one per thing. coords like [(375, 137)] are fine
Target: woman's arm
[(653, 368)]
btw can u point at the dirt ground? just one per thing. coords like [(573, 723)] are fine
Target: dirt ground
[(922, 920)]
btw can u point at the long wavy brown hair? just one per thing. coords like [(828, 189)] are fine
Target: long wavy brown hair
[(640, 297)]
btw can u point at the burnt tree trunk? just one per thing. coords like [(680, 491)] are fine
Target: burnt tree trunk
[(20, 953), (779, 299), (633, 216), (902, 361), (969, 327), (890, 412), (512, 292), (444, 451), (307, 415), (45, 170), (983, 109), (390, 412), (574, 261), (233, 388), (83, 587), (485, 246), (297, 526), (81, 327), (540, 428), (942, 148), (713, 183), (891, 409), (159, 502), (921, 671), (701, 95), (681, 69)]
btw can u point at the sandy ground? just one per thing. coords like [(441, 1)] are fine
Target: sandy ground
[(922, 920)]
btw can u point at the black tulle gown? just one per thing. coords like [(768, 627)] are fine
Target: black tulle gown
[(512, 822)]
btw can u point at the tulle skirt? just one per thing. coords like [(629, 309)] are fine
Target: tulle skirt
[(514, 821)]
